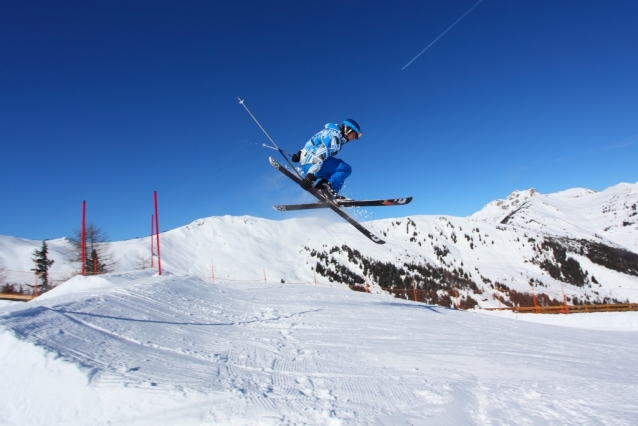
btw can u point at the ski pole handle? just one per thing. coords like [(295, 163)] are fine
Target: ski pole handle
[(272, 147)]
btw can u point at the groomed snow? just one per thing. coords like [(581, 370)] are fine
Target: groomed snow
[(610, 321), (135, 348)]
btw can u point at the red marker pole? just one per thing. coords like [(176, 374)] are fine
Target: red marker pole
[(83, 236), (159, 257), (152, 235)]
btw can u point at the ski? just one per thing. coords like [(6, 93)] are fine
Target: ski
[(328, 203), (345, 203)]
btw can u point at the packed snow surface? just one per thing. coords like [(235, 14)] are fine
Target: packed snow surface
[(140, 349)]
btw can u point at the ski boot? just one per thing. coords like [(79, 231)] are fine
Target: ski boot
[(326, 190)]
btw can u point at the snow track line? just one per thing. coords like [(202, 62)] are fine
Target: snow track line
[(142, 320), (132, 341), (87, 358)]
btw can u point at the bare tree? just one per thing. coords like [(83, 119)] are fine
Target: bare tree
[(98, 258), (3, 279), (5, 286), (3, 276), (142, 261)]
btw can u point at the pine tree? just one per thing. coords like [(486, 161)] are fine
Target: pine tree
[(42, 264)]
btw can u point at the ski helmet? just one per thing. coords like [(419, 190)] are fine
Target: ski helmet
[(351, 126)]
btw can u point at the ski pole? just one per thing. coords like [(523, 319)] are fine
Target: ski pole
[(241, 102), (272, 147)]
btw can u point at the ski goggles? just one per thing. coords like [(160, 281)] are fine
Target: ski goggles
[(349, 130)]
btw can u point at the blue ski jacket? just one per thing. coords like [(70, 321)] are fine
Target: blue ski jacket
[(320, 147)]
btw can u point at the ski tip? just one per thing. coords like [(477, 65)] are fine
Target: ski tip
[(377, 240), (401, 201)]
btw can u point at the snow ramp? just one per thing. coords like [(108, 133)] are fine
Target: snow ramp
[(140, 349)]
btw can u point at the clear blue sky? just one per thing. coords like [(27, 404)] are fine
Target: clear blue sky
[(107, 101)]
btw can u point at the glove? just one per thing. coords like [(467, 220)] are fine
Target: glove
[(296, 157), (308, 181)]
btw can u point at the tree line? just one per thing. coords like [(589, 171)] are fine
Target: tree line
[(98, 259)]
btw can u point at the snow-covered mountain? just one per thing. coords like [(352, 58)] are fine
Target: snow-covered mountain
[(610, 215), (578, 242), (132, 347)]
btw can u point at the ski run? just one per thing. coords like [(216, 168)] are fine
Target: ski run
[(135, 348)]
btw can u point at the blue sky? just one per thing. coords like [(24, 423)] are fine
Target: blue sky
[(108, 101)]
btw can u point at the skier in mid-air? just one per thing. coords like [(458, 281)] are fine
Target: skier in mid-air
[(317, 159)]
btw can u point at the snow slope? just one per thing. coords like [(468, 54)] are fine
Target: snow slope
[(610, 321), (136, 348), (133, 347), (500, 250)]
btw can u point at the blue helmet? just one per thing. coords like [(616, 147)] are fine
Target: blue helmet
[(350, 125)]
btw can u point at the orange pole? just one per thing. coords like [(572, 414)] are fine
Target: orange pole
[(265, 275), (367, 286), (565, 309), (456, 296), (534, 297), (414, 288)]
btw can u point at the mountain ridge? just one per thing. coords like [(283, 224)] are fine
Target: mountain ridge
[(562, 243)]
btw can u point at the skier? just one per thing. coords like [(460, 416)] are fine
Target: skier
[(317, 159)]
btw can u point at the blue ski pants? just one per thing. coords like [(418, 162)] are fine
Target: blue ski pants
[(333, 170)]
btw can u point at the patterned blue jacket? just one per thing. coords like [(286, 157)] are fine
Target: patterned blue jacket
[(321, 146)]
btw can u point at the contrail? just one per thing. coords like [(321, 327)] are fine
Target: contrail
[(442, 34)]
